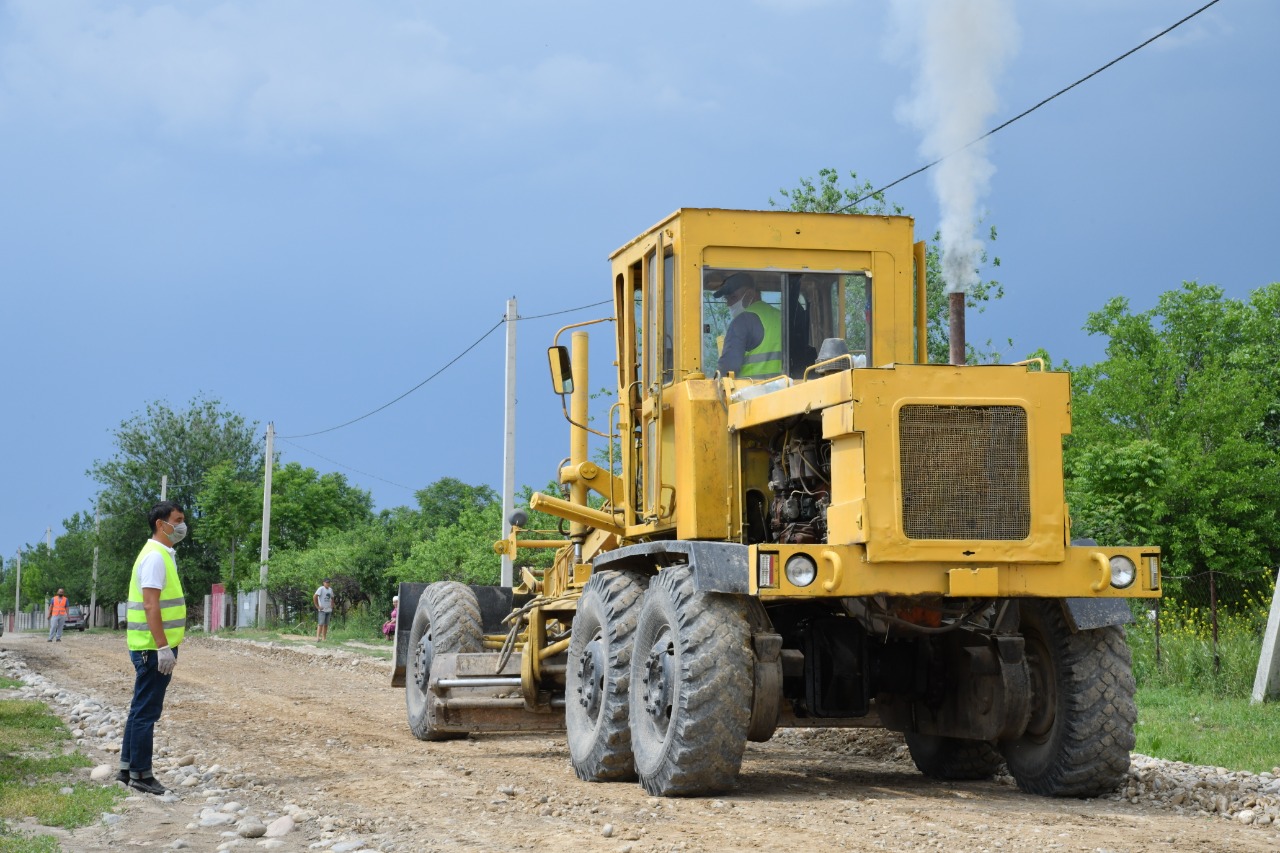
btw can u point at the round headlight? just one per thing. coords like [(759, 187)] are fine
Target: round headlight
[(801, 570), (1123, 571)]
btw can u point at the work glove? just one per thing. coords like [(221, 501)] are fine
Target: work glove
[(165, 660)]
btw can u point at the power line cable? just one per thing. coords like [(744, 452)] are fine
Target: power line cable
[(442, 370), (1029, 111), (566, 311), (452, 361), (347, 467)]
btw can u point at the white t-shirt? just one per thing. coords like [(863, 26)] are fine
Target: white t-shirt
[(324, 597), (151, 569)]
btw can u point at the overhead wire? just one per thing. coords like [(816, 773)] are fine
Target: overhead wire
[(1030, 110), (450, 363), (347, 467), (566, 311)]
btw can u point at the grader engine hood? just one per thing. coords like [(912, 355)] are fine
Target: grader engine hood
[(968, 462)]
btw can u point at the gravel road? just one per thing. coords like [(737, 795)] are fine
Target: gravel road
[(262, 731)]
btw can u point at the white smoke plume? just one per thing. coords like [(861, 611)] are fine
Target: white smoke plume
[(959, 48)]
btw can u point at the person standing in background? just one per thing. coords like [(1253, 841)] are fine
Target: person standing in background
[(57, 616), (323, 600)]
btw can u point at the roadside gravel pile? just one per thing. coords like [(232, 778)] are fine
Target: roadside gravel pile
[(322, 656), (1186, 789)]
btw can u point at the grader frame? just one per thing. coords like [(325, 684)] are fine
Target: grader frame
[(864, 539)]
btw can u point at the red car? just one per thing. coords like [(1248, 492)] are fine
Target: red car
[(75, 618)]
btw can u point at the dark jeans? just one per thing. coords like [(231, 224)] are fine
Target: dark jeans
[(148, 701)]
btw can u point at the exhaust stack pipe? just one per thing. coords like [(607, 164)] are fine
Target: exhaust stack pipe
[(956, 301)]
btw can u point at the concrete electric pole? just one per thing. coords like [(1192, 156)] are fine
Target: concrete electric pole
[(266, 527), (164, 487), (509, 443), (93, 586)]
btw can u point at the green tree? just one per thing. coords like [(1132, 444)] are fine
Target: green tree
[(71, 565), (443, 502), (184, 445), (826, 195), (306, 505), (35, 564), (1174, 438), (461, 551), (230, 504)]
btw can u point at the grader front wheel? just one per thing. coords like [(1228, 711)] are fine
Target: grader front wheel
[(1082, 710), (691, 688), (447, 621), (599, 677)]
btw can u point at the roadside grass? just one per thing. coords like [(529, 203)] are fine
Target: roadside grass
[(34, 766), (1182, 725), (1192, 708)]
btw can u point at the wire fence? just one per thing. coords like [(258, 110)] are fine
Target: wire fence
[(1206, 632)]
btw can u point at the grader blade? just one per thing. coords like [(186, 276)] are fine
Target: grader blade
[(470, 694)]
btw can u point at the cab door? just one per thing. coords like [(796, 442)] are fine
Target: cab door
[(657, 360)]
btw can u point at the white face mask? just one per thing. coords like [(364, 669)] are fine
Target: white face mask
[(178, 534), (736, 308)]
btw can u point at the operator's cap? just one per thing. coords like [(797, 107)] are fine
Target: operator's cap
[(733, 283)]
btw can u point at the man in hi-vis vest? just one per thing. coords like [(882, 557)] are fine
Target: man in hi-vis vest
[(157, 619), (57, 616), (753, 341)]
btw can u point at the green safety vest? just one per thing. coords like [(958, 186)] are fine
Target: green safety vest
[(173, 606), (765, 359)]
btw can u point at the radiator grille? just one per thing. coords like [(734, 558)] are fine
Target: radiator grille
[(964, 472)]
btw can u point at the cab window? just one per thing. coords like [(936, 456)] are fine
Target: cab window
[(811, 307)]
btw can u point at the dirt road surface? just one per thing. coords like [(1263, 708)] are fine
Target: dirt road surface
[(321, 729)]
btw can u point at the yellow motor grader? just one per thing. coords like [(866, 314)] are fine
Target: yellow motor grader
[(825, 530)]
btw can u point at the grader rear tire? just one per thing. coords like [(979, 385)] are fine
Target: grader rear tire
[(953, 758), (599, 677), (1082, 710), (447, 621), (691, 688)]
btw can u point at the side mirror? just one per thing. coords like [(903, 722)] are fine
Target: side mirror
[(561, 370)]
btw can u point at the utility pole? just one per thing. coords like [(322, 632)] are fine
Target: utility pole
[(1266, 682), (266, 527), (509, 443), (164, 487), (17, 591), (93, 587)]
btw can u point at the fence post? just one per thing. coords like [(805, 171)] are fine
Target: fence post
[(1157, 632), (1213, 613), (1266, 682)]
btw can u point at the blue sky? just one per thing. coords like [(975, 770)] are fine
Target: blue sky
[(306, 207)]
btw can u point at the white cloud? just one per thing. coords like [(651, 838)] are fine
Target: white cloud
[(280, 72), (1202, 29)]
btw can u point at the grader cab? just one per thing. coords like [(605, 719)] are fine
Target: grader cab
[(803, 524)]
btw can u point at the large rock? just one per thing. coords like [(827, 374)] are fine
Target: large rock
[(282, 825), (102, 773)]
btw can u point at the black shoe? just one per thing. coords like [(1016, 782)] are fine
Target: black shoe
[(149, 785), (123, 777)]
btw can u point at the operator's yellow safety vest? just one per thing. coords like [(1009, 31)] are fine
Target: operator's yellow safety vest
[(765, 359), (173, 606), (59, 606)]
